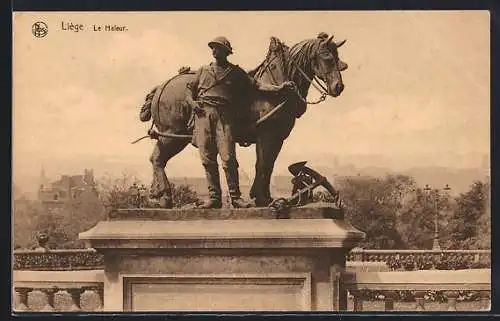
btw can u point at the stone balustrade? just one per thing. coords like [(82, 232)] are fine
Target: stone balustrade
[(419, 282), (74, 291), (424, 259), (54, 291)]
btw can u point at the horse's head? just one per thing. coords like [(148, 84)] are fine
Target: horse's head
[(273, 69), (326, 64)]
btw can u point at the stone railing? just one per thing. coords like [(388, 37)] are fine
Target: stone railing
[(49, 291), (424, 259), (419, 282), (89, 259), (57, 260)]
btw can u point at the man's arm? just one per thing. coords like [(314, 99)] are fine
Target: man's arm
[(262, 86), (192, 89)]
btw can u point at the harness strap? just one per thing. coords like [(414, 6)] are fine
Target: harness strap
[(217, 81)]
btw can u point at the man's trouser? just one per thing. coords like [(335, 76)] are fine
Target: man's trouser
[(213, 134)]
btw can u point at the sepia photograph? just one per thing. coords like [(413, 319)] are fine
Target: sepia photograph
[(251, 161)]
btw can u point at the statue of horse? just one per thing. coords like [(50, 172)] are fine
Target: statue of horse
[(267, 119)]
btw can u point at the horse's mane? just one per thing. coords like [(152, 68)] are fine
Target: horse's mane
[(270, 51), (300, 55)]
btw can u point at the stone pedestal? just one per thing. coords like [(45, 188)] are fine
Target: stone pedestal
[(224, 260)]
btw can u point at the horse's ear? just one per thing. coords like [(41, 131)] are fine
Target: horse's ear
[(342, 65), (339, 44), (273, 44)]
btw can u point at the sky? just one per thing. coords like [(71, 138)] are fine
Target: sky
[(417, 87)]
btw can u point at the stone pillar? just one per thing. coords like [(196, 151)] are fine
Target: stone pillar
[(389, 297), (224, 260)]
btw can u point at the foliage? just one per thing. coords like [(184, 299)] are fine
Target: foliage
[(118, 193), (50, 261), (439, 262), (63, 222), (372, 205), (183, 195), (470, 223), (395, 213)]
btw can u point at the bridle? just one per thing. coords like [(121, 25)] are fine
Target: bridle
[(313, 81)]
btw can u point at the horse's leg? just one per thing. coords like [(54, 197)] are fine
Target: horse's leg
[(164, 150), (268, 147)]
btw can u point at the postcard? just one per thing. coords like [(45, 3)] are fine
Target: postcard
[(251, 161)]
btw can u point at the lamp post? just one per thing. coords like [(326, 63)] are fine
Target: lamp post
[(428, 190)]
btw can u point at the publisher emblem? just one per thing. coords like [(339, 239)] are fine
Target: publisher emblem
[(39, 29)]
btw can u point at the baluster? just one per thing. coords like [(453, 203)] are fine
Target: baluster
[(419, 301), (75, 299), (452, 300), (100, 292), (358, 254), (49, 294), (389, 300), (485, 300), (358, 300), (476, 257), (15, 299), (23, 299)]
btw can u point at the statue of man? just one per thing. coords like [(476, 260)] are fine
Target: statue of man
[(213, 96)]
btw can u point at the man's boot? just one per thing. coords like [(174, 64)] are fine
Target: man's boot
[(232, 177), (214, 190)]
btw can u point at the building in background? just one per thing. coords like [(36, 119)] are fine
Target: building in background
[(67, 188)]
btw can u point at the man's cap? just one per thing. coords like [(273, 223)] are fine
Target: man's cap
[(222, 41)]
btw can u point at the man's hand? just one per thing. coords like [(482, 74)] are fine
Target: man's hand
[(198, 109), (287, 86)]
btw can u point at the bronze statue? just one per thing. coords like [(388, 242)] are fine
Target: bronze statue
[(264, 118)]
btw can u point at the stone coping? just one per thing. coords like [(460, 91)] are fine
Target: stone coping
[(471, 279), (252, 233), (59, 279), (310, 211), (358, 250)]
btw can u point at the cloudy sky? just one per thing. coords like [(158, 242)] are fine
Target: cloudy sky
[(417, 87)]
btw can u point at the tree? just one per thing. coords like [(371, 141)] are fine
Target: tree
[(470, 225), (25, 216), (416, 218), (373, 205), (79, 215)]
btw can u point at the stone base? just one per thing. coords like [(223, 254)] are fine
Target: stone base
[(226, 263), (314, 210)]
